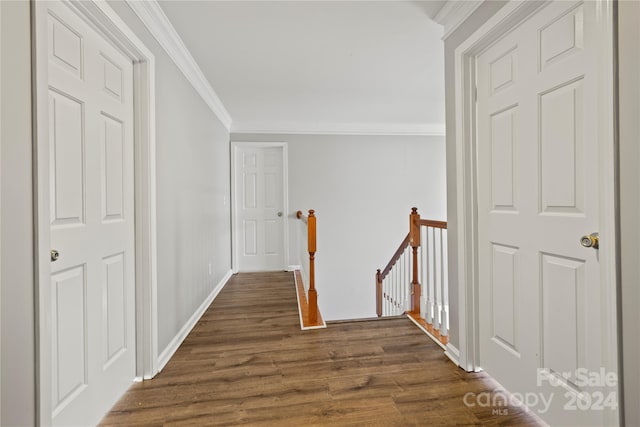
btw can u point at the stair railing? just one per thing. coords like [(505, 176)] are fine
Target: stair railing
[(415, 280), (434, 300), (310, 289)]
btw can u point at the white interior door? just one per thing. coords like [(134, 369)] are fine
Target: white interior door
[(90, 116), (259, 207), (540, 296)]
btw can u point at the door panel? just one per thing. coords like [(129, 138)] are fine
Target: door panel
[(112, 141), (112, 77), (250, 191), (272, 237), (563, 314), (504, 293), (259, 208), (69, 332), (250, 238), (91, 197), (561, 151), (561, 38), (502, 151), (115, 295), (540, 292), (65, 47), (66, 118)]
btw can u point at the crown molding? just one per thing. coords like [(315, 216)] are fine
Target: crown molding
[(397, 129), (454, 13), (154, 18)]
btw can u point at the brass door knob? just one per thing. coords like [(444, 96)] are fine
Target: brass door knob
[(590, 241), (54, 255)]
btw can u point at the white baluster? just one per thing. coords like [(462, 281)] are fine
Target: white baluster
[(384, 304), (393, 274), (399, 301), (403, 275), (427, 270), (438, 279), (444, 329), (430, 259), (396, 292), (389, 294), (422, 273), (386, 296), (407, 283)]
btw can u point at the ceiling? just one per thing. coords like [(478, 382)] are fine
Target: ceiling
[(319, 66)]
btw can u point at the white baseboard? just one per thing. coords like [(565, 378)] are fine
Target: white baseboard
[(302, 327), (293, 267), (453, 354), (173, 346), (429, 334)]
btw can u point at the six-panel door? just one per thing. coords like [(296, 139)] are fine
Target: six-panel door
[(259, 204), (538, 193), (92, 223)]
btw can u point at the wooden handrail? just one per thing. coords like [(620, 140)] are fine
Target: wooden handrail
[(396, 256), (302, 216), (312, 294), (432, 223)]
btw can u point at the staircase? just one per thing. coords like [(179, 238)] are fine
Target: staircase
[(415, 281)]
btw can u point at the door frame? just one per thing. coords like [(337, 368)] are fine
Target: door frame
[(109, 25), (506, 19), (0, 208), (235, 146)]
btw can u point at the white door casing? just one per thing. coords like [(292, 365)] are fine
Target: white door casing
[(542, 131), (94, 119), (0, 205), (259, 191)]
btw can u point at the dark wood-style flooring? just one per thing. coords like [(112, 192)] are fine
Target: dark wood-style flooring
[(248, 363)]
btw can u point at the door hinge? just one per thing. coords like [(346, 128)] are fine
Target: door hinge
[(475, 94)]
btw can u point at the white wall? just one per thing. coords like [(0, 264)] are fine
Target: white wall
[(362, 189), (193, 182), (17, 372), (629, 69)]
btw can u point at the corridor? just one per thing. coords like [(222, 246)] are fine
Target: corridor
[(248, 363)]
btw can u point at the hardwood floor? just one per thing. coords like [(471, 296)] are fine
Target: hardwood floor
[(247, 362)]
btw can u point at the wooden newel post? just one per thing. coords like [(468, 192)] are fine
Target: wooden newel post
[(312, 294), (379, 293), (414, 241)]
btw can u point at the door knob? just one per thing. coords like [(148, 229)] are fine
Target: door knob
[(279, 213), (54, 255), (590, 241)]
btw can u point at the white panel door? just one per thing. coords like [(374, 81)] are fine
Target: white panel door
[(91, 217), (540, 291), (259, 207)]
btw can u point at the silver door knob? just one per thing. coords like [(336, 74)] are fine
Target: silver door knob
[(54, 255), (590, 241), (279, 213)]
